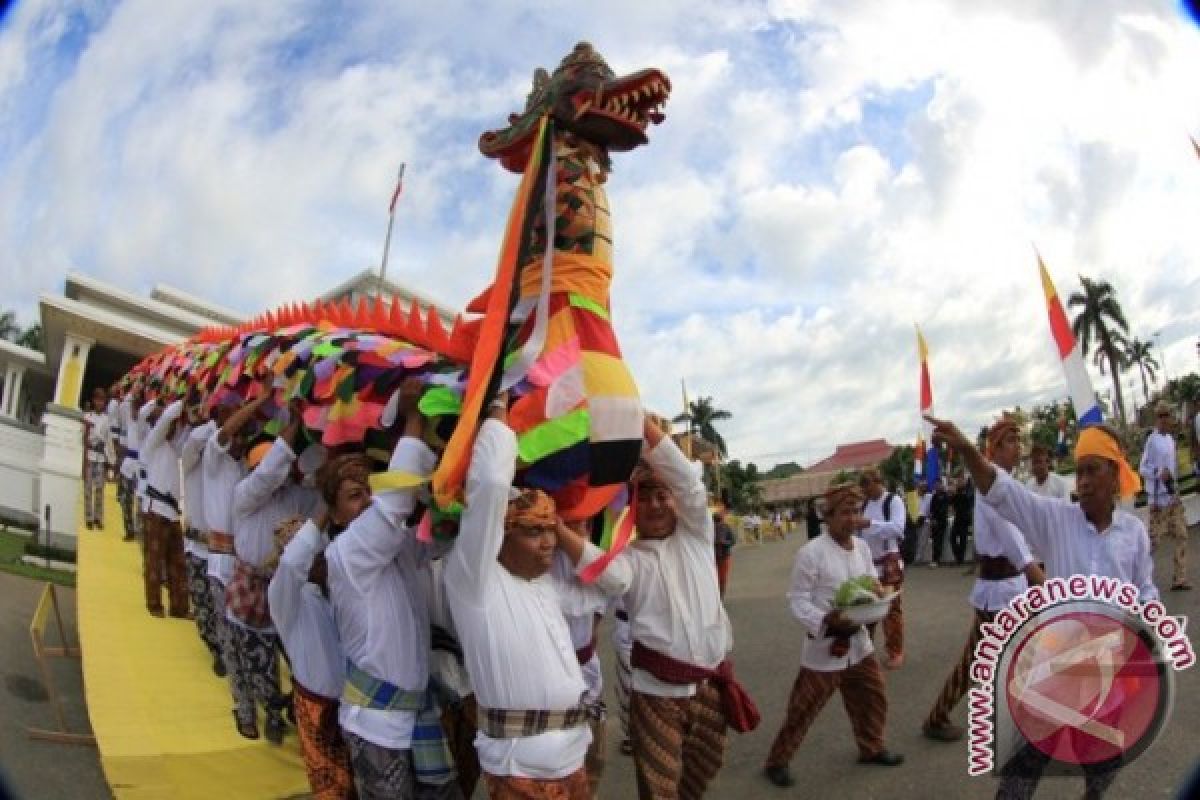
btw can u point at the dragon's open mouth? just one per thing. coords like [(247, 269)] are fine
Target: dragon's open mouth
[(633, 101)]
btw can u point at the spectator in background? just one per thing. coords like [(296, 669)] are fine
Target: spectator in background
[(939, 518), (922, 518), (723, 542), (1043, 481), (813, 520), (1159, 466), (963, 501)]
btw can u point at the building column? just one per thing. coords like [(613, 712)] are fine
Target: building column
[(69, 387), (6, 391), (14, 394)]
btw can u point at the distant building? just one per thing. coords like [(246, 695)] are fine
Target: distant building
[(816, 478), (92, 334)]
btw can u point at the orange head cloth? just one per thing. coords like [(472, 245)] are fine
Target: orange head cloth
[(532, 508), (257, 454), (840, 493), (995, 434), (1095, 441)]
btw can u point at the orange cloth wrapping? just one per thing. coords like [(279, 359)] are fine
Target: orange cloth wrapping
[(1095, 442), (532, 508)]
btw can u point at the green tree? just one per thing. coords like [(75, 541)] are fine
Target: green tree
[(784, 470), (700, 416), (897, 468), (1138, 354), (9, 329), (1184, 389), (1101, 320), (31, 337), (740, 486)]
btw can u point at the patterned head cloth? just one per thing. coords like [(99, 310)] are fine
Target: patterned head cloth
[(354, 467), (999, 430), (531, 508), (839, 494), (1101, 441)]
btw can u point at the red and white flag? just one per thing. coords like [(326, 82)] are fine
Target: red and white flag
[(396, 194)]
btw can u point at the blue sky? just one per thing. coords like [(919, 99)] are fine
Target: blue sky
[(827, 175)]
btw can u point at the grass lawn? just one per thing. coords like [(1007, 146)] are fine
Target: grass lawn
[(12, 547)]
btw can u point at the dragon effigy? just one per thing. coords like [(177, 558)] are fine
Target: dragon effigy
[(540, 331)]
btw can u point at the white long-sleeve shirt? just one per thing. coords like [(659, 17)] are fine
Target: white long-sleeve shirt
[(141, 424), (129, 439), (884, 536), (222, 474), (160, 453), (515, 639), (190, 457), (99, 432), (1070, 544), (821, 566), (581, 624), (673, 601), (1053, 486), (1159, 454), (304, 618), (996, 536), (379, 597)]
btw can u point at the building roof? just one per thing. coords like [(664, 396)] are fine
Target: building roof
[(855, 455), (366, 283), (189, 302)]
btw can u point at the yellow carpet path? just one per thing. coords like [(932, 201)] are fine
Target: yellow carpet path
[(163, 721)]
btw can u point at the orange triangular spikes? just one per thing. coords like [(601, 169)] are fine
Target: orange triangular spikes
[(395, 323), (345, 313), (435, 330), (412, 325), (362, 314), (379, 317)]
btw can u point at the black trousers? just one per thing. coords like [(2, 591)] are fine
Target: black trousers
[(958, 539), (938, 534)]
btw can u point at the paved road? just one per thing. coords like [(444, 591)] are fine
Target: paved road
[(766, 653), (38, 770)]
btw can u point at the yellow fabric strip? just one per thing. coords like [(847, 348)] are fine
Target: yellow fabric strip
[(581, 274), (1095, 442), (391, 481)]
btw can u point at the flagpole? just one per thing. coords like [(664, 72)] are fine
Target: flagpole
[(387, 239)]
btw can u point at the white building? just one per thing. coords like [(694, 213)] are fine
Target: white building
[(93, 333)]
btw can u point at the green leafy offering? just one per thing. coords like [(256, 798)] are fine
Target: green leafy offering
[(855, 592)]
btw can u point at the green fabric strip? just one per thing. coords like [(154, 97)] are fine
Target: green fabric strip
[(579, 301), (553, 435)]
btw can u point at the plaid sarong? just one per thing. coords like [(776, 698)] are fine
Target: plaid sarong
[(246, 596), (505, 723), (432, 760)]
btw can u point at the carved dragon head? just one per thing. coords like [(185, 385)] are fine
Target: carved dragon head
[(587, 99)]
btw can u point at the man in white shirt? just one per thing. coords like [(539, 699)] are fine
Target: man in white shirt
[(1006, 568), (922, 552), (1158, 469), (304, 618), (97, 430), (509, 610), (377, 586), (1042, 481), (262, 500), (130, 442), (837, 654), (882, 528), (163, 537), (195, 533), (1091, 537), (684, 695), (223, 471)]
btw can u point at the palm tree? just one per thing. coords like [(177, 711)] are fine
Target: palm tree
[(700, 416), (8, 325), (1138, 354), (1101, 319)]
